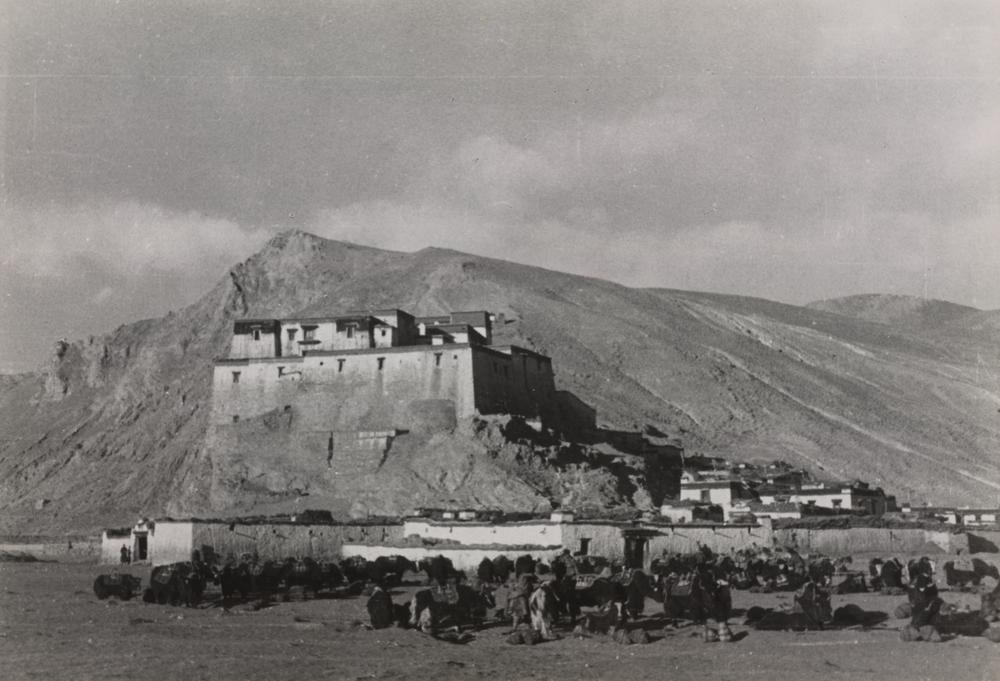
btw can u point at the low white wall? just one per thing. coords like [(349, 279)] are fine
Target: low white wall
[(462, 558), (171, 542), (111, 548), (532, 532)]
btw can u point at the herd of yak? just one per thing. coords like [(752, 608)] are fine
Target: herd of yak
[(589, 593)]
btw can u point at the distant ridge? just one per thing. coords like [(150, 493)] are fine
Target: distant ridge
[(901, 392), (896, 309)]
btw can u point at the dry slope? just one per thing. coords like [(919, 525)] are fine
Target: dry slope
[(115, 425)]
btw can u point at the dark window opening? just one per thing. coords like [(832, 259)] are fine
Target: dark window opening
[(584, 546), (236, 418), (236, 377), (837, 503), (340, 365), (349, 331), (281, 371), (256, 334), (437, 359), (288, 407), (291, 334), (382, 332), (381, 363), (706, 495), (309, 334)]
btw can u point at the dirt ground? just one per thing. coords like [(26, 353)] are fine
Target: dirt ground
[(52, 627)]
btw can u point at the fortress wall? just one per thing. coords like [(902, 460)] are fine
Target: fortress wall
[(270, 454), (320, 423), (348, 392), (515, 383), (493, 382), (536, 377)]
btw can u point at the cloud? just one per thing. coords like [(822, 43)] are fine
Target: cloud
[(80, 269), (119, 238), (856, 247)]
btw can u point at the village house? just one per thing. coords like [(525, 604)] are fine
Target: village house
[(688, 511), (846, 497), (722, 490)]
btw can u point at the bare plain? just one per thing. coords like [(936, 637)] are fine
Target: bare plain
[(53, 627)]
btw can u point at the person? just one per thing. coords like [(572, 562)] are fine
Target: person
[(569, 563), (124, 555), (380, 608)]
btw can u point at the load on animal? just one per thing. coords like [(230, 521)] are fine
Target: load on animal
[(588, 595)]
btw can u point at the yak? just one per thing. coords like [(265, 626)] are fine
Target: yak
[(454, 605), (811, 610), (117, 585), (960, 578)]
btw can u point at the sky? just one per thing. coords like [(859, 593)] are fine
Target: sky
[(795, 151)]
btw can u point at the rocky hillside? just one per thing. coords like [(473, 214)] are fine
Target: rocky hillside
[(115, 425)]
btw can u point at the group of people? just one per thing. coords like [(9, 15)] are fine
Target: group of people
[(126, 555), (692, 587)]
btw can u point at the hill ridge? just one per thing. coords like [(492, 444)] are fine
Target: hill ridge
[(115, 425)]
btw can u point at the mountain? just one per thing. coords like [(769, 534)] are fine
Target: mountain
[(907, 311), (115, 425)]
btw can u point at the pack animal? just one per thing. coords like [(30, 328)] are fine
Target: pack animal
[(121, 586)]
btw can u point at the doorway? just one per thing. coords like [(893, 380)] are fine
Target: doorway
[(141, 551), (635, 552)]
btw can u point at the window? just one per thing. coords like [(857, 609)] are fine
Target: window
[(340, 365), (584, 545), (309, 334), (256, 334), (236, 418), (382, 333), (706, 495), (437, 359), (236, 377), (291, 334), (349, 330), (381, 363), (281, 371), (837, 503)]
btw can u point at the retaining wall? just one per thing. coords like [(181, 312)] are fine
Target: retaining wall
[(842, 542), (173, 541)]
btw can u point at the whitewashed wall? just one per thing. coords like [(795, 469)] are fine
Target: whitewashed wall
[(538, 533), (171, 541), (111, 548)]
